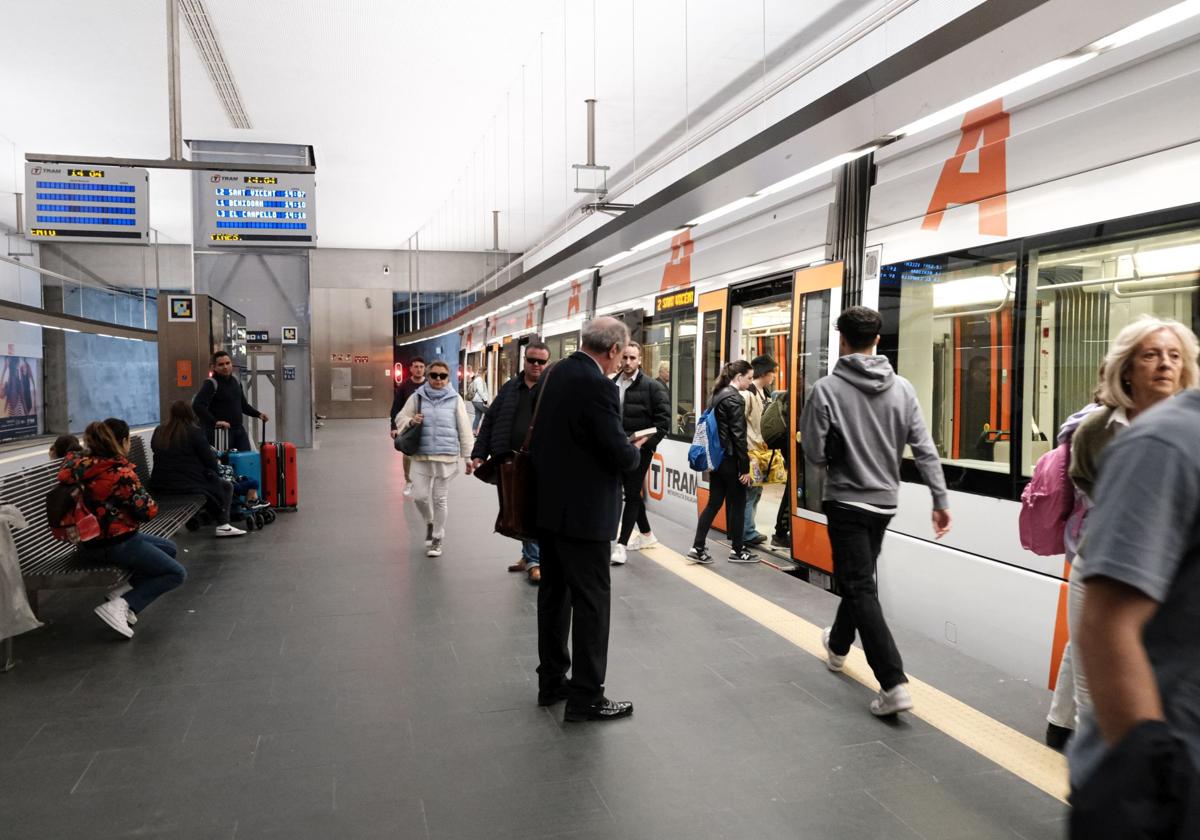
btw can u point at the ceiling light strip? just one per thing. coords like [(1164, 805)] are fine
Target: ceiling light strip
[(204, 36)]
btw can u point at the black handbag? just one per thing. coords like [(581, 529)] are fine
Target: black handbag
[(409, 440)]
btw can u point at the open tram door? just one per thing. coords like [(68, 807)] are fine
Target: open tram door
[(710, 355), (816, 302)]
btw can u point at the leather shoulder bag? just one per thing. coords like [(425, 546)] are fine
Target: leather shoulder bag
[(518, 484), (409, 440)]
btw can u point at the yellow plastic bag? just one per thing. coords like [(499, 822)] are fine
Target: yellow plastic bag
[(766, 467)]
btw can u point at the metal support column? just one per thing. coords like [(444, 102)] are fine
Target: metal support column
[(173, 100)]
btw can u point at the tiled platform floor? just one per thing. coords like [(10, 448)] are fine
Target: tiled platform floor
[(325, 679)]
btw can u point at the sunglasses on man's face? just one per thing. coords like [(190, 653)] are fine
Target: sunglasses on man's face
[(439, 376), (536, 361)]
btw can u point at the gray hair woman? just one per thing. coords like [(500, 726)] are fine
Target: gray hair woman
[(1149, 361)]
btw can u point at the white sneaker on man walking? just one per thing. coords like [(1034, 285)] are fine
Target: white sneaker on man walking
[(228, 530), (407, 491), (895, 699)]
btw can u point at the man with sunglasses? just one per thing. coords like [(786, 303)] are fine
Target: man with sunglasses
[(503, 431)]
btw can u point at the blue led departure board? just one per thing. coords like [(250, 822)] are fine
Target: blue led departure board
[(257, 209), (69, 203)]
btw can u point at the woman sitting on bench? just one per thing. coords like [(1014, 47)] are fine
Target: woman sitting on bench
[(115, 496), (185, 464)]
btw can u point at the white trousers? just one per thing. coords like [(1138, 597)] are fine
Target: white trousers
[(1071, 694), (431, 481)]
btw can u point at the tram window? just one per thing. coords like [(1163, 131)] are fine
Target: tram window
[(1085, 296), (669, 353), (712, 355), (953, 339), (561, 346)]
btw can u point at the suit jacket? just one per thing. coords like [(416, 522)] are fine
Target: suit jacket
[(579, 451)]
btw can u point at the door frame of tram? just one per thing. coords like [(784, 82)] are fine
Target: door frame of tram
[(810, 534)]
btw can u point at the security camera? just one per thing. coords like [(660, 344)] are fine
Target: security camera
[(387, 269)]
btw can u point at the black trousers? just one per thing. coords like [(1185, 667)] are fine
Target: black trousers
[(856, 537), (783, 517), (634, 483), (573, 599), (724, 489)]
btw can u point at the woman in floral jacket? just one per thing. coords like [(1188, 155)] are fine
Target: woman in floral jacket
[(115, 496)]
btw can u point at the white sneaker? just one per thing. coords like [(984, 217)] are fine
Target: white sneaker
[(407, 490), (644, 540), (229, 531), (119, 591), (617, 558), (833, 662), (895, 699), (435, 548), (115, 614)]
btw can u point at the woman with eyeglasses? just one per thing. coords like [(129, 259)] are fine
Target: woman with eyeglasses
[(445, 438)]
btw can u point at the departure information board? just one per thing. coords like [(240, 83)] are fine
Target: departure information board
[(257, 209), (75, 203)]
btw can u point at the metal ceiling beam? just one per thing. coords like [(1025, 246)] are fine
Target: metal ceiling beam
[(154, 163)]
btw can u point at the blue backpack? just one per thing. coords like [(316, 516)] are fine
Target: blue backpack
[(706, 452)]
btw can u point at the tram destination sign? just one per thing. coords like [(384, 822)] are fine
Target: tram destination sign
[(675, 301), (257, 209), (67, 202)]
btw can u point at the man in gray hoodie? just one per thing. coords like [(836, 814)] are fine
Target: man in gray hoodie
[(856, 424)]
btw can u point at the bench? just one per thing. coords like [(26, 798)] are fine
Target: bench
[(47, 563)]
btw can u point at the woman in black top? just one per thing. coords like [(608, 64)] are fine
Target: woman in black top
[(728, 482), (184, 463)]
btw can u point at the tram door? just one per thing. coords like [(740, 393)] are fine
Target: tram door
[(816, 300)]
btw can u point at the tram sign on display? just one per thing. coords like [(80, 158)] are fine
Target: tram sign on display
[(257, 209), (69, 203), (675, 301)]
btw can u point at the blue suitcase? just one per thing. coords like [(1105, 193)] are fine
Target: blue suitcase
[(248, 464)]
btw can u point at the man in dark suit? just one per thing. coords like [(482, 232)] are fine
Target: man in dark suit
[(579, 454)]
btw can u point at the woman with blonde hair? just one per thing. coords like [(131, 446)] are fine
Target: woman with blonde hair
[(1149, 361)]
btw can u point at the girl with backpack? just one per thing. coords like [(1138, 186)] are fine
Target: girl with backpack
[(114, 495), (728, 482)]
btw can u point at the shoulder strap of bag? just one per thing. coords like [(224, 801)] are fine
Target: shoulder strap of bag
[(537, 407)]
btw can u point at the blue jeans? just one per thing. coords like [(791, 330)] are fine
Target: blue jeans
[(151, 564), (530, 553), (753, 494)]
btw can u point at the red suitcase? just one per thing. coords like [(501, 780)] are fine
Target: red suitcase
[(280, 482)]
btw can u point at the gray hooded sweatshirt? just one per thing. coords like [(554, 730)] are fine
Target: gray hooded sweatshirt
[(877, 413)]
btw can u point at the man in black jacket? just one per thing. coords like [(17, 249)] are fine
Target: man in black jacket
[(579, 452), (220, 404), (503, 431), (414, 380), (645, 404)]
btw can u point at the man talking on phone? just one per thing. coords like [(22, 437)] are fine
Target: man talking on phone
[(645, 412)]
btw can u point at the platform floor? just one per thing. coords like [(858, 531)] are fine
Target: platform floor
[(324, 679)]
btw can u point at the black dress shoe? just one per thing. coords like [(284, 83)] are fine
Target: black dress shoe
[(604, 710), (1058, 736), (550, 696)]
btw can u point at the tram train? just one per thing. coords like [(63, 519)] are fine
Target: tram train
[(1004, 250)]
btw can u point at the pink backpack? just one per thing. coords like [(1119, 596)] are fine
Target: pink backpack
[(1047, 502)]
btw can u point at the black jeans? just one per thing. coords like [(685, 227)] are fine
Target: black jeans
[(856, 537), (724, 489), (573, 598), (635, 502), (783, 517)]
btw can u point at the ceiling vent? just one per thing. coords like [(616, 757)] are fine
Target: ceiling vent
[(204, 36)]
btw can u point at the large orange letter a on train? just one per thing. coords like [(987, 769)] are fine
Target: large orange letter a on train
[(985, 128)]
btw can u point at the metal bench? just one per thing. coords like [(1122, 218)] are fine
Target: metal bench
[(47, 563)]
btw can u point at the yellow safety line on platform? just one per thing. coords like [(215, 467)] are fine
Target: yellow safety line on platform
[(1021, 755)]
